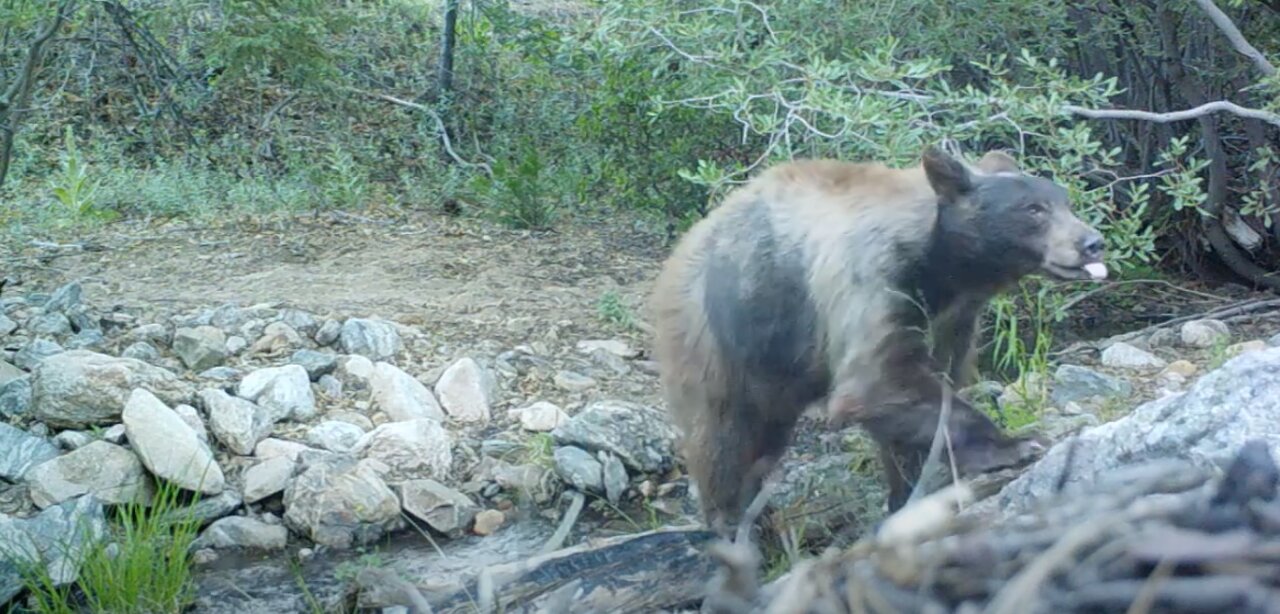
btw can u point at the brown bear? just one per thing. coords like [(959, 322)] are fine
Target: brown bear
[(859, 285)]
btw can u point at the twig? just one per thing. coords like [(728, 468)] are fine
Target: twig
[(444, 134), (1216, 106), (566, 523), (1237, 40), (1083, 296), (931, 467), (1222, 312)]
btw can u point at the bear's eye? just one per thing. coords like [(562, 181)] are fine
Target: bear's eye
[(1037, 208)]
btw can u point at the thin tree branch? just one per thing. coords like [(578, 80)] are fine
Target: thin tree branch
[(1207, 108), (444, 134), (1229, 29)]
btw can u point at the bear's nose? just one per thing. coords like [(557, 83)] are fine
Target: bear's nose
[(1092, 244)]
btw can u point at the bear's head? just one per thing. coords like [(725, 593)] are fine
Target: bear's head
[(998, 221)]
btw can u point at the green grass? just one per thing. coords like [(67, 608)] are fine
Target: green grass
[(143, 566)]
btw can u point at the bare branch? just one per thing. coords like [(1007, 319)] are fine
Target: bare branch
[(444, 134), (1237, 39), (13, 101), (1216, 106)]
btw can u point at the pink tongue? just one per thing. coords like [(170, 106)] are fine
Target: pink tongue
[(1096, 270)]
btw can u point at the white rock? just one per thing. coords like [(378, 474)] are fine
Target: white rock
[(444, 509), (201, 347), (339, 503), (411, 449), (168, 447), (276, 338), (465, 391), (272, 448), (109, 472), (236, 423), (1204, 333), (1121, 355), (193, 420), (334, 435), (377, 340), (616, 347), (285, 392), (573, 382), (401, 397), (243, 532), (267, 478), (355, 372), (541, 416)]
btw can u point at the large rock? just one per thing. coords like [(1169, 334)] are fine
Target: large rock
[(58, 536), (243, 532), (111, 473), (401, 397), (200, 348), (20, 451), (267, 478), (285, 392), (339, 502), (237, 423), (579, 469), (1076, 383), (1207, 423), (377, 340), (169, 447), (79, 388), (641, 437), (412, 449), (465, 391), (442, 508)]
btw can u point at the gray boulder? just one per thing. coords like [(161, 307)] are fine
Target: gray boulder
[(80, 388)]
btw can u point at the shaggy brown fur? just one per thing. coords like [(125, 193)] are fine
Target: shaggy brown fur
[(854, 283)]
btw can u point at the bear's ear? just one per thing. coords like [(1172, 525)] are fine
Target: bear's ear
[(997, 161), (948, 176)]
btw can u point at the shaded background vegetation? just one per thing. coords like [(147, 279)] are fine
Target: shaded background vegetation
[(219, 109)]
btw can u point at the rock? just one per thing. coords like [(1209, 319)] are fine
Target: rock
[(285, 392), (15, 397), (1121, 355), (1181, 367), (335, 436), (207, 509), (114, 434), (330, 386), (107, 471), (20, 451), (52, 324), (317, 364), (300, 321), (8, 373), (36, 352), (57, 536), (236, 423), (200, 348), (339, 502), (65, 298), (1204, 333), (1056, 423), (377, 340), (1246, 346), (272, 448), (499, 448), (86, 340), (611, 362), (193, 420), (277, 337), (573, 382), (80, 388), (221, 374), (488, 522), (579, 469), (1207, 423), (267, 478), (410, 449), (168, 447), (7, 325), (615, 347), (1075, 383), (541, 417), (243, 532), (355, 372), (72, 440), (328, 332), (984, 392), (465, 391), (442, 508), (1164, 338), (141, 350), (401, 397), (351, 417), (641, 437), (155, 334), (615, 476), (236, 344)]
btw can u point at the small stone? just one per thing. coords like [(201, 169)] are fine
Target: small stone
[(200, 348), (142, 350), (15, 397), (1075, 383), (221, 374), (208, 509), (1164, 338), (114, 434), (285, 392), (377, 340), (20, 451), (107, 471), (8, 373), (155, 334), (277, 337), (272, 448), (1274, 341), (615, 476), (1183, 368), (573, 382), (267, 478), (334, 436), (610, 361), (401, 397), (204, 556), (7, 325), (328, 332), (410, 449), (1121, 355), (351, 417), (86, 340), (442, 508), (236, 344), (36, 353), (615, 347), (1204, 333), (499, 448), (236, 423), (317, 364), (65, 298), (243, 532), (465, 391), (541, 417), (193, 420), (1246, 346), (579, 469), (330, 386), (72, 440), (643, 438), (355, 372), (302, 322), (53, 324), (488, 522), (168, 447)]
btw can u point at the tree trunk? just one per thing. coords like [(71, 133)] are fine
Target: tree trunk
[(14, 100), (445, 78)]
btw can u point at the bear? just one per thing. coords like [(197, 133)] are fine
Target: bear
[(857, 286)]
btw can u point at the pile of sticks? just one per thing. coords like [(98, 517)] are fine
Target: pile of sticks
[(1164, 537)]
